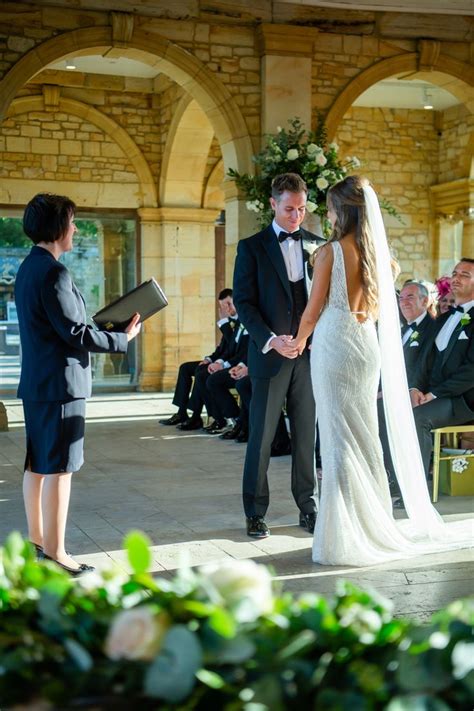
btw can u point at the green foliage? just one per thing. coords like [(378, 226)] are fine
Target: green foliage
[(306, 153), (113, 641), (11, 233)]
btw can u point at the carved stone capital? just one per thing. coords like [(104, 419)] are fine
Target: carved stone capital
[(122, 28), (428, 54), (51, 96)]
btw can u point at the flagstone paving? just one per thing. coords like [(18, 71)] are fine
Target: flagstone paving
[(184, 491)]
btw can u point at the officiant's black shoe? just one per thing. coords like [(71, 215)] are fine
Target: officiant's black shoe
[(192, 423), (308, 521), (280, 450), (257, 528), (232, 434), (242, 437), (176, 419)]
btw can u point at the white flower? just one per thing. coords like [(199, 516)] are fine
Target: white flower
[(355, 162), (312, 149), (462, 659), (459, 465), (311, 206), (136, 634), (321, 159), (292, 154), (279, 129), (243, 586), (322, 183), (334, 146)]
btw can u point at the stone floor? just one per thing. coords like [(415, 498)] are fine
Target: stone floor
[(183, 490)]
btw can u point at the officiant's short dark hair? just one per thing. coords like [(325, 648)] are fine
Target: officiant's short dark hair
[(292, 182)]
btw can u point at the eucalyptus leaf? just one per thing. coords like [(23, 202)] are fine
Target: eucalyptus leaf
[(173, 673), (79, 654), (138, 551)]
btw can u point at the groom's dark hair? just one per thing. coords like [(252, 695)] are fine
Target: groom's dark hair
[(292, 182)]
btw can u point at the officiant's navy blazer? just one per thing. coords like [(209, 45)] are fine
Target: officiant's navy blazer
[(262, 295), (55, 340)]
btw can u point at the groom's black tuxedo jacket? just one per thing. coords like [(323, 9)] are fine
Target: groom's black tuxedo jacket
[(448, 373), (262, 294)]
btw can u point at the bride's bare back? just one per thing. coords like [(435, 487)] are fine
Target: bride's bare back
[(352, 265)]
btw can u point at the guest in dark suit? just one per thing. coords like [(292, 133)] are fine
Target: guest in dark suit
[(413, 303), (55, 372), (188, 370), (442, 389), (270, 294)]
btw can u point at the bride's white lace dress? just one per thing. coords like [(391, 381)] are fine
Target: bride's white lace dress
[(355, 525)]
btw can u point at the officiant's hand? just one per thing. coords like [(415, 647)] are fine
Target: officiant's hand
[(416, 396), (285, 346), (134, 327)]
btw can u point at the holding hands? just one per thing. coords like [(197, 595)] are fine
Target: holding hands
[(285, 346)]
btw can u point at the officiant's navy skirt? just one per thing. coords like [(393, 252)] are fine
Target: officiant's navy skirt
[(54, 436)]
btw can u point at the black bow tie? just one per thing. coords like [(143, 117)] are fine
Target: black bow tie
[(294, 235), (453, 309)]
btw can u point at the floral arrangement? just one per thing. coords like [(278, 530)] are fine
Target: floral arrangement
[(459, 464), (443, 286), (216, 638), (306, 153)]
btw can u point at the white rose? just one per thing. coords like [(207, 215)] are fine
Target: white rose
[(311, 206), (249, 205), (355, 162), (312, 149), (321, 159), (321, 184), (292, 154), (462, 659), (334, 146), (243, 586), (136, 634), (279, 129)]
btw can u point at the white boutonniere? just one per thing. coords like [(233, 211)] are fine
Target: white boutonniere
[(459, 464), (465, 320), (414, 336)]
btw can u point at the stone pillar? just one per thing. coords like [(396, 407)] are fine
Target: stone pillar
[(239, 223), (177, 248), (286, 75), (453, 205)]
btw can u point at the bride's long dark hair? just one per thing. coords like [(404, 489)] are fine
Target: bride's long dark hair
[(348, 202)]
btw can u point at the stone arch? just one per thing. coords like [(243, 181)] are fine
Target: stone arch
[(407, 62), (178, 64), (213, 192), (185, 156), (148, 196)]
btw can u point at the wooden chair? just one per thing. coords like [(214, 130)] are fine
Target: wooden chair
[(451, 433)]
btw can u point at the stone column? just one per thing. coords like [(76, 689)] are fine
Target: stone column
[(177, 248), (239, 223), (286, 75)]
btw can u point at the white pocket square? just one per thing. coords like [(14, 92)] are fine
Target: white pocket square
[(413, 344), (462, 336)]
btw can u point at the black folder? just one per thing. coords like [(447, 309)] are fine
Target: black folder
[(146, 299)]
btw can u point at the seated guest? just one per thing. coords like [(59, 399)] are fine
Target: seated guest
[(442, 388), (227, 315), (445, 295), (220, 403), (413, 304)]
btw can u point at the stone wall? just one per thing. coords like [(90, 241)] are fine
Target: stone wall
[(399, 151), (456, 133)]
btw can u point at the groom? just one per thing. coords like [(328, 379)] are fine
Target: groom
[(270, 294)]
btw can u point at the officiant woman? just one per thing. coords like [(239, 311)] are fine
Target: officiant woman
[(55, 375)]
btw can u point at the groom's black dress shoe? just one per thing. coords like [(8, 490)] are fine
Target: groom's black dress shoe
[(308, 521), (193, 423), (257, 528), (176, 419)]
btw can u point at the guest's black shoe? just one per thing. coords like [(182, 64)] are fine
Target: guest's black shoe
[(176, 419), (73, 572), (232, 434), (308, 521), (215, 424), (257, 528), (192, 423), (217, 428), (281, 451), (243, 436)]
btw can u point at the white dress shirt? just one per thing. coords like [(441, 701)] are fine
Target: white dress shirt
[(412, 327), (443, 337)]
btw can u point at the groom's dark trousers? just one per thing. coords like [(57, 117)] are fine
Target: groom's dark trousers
[(268, 304)]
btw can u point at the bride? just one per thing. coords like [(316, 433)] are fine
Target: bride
[(352, 288)]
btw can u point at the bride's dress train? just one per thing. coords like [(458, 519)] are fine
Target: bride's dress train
[(355, 525)]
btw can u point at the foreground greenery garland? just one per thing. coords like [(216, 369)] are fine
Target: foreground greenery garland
[(217, 638)]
